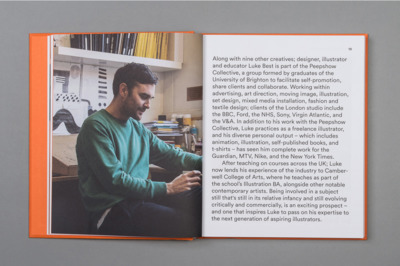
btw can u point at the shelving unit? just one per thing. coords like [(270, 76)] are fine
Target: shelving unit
[(175, 56)]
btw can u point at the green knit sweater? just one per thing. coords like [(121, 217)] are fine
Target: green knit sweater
[(114, 157)]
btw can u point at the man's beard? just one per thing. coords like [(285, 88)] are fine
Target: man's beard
[(133, 113), (137, 117)]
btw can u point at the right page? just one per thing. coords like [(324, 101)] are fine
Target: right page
[(285, 136)]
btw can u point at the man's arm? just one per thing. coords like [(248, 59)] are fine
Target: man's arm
[(96, 156), (171, 158), (184, 182)]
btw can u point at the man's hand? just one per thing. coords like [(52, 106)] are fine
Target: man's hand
[(184, 182)]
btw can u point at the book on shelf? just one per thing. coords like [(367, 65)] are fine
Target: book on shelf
[(150, 45), (161, 123), (165, 128), (168, 134), (284, 127)]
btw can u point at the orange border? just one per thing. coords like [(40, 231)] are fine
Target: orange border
[(38, 142), (37, 135)]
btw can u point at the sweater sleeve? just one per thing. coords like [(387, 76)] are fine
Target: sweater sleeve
[(171, 158), (97, 154)]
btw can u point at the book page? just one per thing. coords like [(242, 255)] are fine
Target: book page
[(284, 137), (72, 82)]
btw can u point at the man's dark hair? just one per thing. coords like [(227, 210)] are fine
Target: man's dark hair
[(132, 74)]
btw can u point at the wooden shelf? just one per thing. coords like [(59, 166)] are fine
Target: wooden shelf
[(79, 56)]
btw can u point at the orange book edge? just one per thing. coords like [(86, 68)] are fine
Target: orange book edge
[(38, 153)]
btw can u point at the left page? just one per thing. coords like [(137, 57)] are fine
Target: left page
[(115, 124)]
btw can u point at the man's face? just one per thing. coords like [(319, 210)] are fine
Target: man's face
[(138, 100)]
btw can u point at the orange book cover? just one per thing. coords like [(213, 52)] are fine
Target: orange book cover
[(53, 90)]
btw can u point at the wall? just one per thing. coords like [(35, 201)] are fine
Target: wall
[(88, 91), (191, 75)]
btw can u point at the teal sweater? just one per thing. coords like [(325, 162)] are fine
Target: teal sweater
[(114, 157)]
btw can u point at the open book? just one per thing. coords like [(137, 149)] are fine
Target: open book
[(282, 119)]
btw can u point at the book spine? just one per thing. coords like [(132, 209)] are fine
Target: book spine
[(116, 44), (158, 44), (82, 41), (74, 41), (108, 43), (137, 46), (96, 42), (164, 48), (91, 41), (121, 43), (134, 43), (112, 44), (103, 42), (129, 49)]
